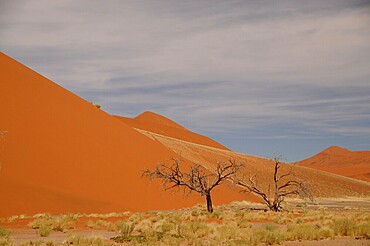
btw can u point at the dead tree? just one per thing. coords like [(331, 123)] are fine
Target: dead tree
[(196, 179), (284, 185)]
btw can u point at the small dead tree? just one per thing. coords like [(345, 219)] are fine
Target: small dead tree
[(284, 185), (196, 179)]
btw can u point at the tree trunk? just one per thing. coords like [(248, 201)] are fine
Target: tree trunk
[(209, 202)]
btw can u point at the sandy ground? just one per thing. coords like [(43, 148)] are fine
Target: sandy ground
[(21, 232), (333, 204), (345, 241), (22, 235)]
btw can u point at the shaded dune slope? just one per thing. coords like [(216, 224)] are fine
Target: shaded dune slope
[(62, 154), (323, 184), (341, 161), (159, 124)]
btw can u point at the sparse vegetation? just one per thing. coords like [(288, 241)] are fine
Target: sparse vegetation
[(79, 240), (44, 230), (4, 237), (96, 105), (235, 227), (34, 243), (45, 224), (4, 232), (232, 224)]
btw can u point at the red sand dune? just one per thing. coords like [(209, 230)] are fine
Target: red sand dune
[(156, 123), (353, 164), (62, 154)]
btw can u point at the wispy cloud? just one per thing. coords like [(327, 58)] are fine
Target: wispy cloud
[(283, 70)]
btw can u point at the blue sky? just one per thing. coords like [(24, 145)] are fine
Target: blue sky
[(261, 77)]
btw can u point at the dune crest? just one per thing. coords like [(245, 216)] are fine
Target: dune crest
[(154, 118), (338, 160), (156, 123), (336, 150)]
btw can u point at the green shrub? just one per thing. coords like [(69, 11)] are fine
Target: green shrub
[(239, 214), (61, 223), (49, 243), (199, 229), (167, 227), (79, 240), (5, 241), (124, 228), (308, 232), (215, 215), (299, 221), (45, 230), (226, 232), (301, 205), (4, 232), (344, 227), (363, 230), (243, 223), (5, 237), (195, 213), (268, 234), (33, 243), (90, 224)]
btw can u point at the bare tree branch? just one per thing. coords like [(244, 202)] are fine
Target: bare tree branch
[(281, 190), (197, 179)]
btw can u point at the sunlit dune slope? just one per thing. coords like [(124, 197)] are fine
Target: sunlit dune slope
[(72, 154), (62, 154), (159, 124), (353, 164), (323, 184)]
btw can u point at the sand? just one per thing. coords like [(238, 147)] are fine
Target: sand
[(159, 124), (62, 154), (341, 161)]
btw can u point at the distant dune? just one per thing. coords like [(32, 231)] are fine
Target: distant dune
[(159, 124), (353, 164), (62, 154)]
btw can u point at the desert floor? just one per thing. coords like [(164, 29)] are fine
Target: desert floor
[(322, 222)]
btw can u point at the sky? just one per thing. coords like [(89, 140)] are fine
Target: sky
[(262, 77)]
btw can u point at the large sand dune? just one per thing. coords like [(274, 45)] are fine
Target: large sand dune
[(62, 154), (354, 164)]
